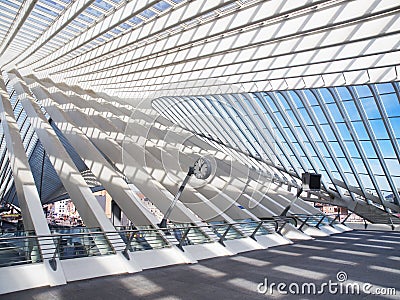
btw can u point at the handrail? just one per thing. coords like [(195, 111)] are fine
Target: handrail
[(52, 236), (264, 220), (281, 218), (318, 219), (95, 242)]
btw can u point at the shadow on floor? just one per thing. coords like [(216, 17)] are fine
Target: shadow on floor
[(350, 261)]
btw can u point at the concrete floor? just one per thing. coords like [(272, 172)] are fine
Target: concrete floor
[(365, 256)]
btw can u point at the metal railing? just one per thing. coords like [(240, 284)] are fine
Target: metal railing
[(142, 239), (188, 234), (281, 221), (226, 231), (86, 243), (253, 228), (315, 220), (18, 248), (24, 247)]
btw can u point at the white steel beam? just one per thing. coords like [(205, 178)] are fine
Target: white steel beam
[(100, 167), (28, 196), (25, 187), (80, 193)]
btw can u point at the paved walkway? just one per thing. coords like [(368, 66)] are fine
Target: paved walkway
[(362, 256)]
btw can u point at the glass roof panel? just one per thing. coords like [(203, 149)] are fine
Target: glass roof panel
[(94, 12), (162, 5), (301, 142), (46, 10), (102, 4), (148, 13)]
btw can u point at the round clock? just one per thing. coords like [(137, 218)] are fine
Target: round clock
[(202, 168)]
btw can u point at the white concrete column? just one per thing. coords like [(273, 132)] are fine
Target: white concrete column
[(125, 162), (100, 167), (28, 196), (80, 193), (195, 201)]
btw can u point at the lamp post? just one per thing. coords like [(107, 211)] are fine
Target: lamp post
[(202, 170)]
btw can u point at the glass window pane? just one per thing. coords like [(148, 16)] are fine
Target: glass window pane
[(363, 91), (351, 148), (395, 122), (322, 149), (359, 165), (351, 180), (370, 108), (314, 133), (300, 134), (328, 132), (331, 164), (296, 99), (386, 148), (326, 95), (385, 88), (319, 114), (282, 100), (270, 102), (367, 182), (391, 104), (375, 166), (352, 111), (344, 132), (379, 129), (292, 118), (305, 116), (396, 181), (344, 93), (382, 183), (360, 130), (368, 149), (336, 149), (393, 166), (310, 97), (344, 164), (335, 113)]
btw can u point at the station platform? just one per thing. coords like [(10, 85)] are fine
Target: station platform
[(369, 259)]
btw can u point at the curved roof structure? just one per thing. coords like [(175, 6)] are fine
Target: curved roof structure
[(295, 86), (132, 49)]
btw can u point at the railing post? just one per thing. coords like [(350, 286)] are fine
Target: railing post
[(333, 221), (391, 223), (320, 221), (183, 239), (222, 238), (52, 261), (345, 219), (253, 235), (304, 223), (128, 246), (285, 221)]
